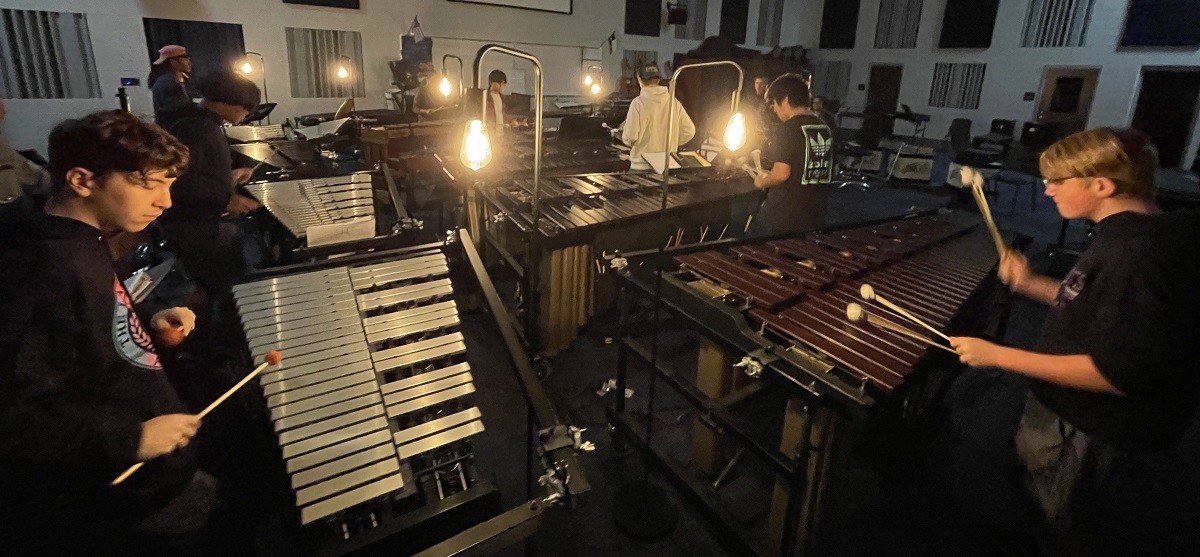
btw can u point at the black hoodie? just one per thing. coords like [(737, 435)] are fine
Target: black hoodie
[(78, 374)]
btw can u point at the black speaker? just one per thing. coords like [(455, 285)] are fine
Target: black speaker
[(677, 14)]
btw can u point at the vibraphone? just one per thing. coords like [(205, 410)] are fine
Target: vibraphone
[(777, 310), (582, 217), (247, 134), (372, 403), (300, 204)]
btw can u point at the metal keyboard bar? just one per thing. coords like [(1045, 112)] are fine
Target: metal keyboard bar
[(422, 378), (429, 428), (333, 437), (301, 433), (306, 418), (337, 451), (435, 398), (404, 295), (446, 350), (339, 484), (341, 466), (348, 499), (327, 399), (292, 397), (334, 362), (396, 398), (440, 440)]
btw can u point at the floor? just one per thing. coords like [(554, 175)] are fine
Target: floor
[(960, 497)]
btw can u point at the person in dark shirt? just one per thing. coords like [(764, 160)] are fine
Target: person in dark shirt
[(168, 81), (209, 248), (800, 164), (1116, 375), (82, 391)]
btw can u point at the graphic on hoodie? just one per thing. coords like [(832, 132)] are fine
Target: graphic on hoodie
[(130, 338)]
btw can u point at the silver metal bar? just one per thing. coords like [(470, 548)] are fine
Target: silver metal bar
[(359, 274), (339, 484), (295, 348), (431, 271), (332, 363), (305, 381), (429, 428), (373, 324), (294, 396), (440, 440), (334, 452), (304, 301), (340, 319), (350, 498), (405, 294), (291, 312), (327, 399), (393, 399), (383, 355), (342, 465), (422, 378), (422, 327), (292, 450), (436, 398), (267, 284), (308, 335), (301, 361), (310, 289), (284, 297), (327, 412), (435, 353), (298, 434)]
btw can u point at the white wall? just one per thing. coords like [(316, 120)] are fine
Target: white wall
[(1011, 70), (120, 46)]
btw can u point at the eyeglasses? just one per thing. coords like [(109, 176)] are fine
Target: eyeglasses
[(1057, 181)]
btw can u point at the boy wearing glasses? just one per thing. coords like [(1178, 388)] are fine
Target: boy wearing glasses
[(83, 395), (1114, 379)]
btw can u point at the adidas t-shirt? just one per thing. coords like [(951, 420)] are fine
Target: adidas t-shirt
[(803, 143)]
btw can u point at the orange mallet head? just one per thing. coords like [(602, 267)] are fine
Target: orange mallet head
[(274, 357), (171, 337)]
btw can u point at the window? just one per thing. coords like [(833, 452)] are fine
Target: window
[(1056, 23), (831, 79), (212, 46), (968, 23), (697, 20), (734, 16), (957, 85), (898, 23), (46, 55), (643, 17), (316, 57), (839, 23), (1162, 23), (770, 21)]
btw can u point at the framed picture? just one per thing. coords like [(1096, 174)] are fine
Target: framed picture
[(348, 4), (554, 6)]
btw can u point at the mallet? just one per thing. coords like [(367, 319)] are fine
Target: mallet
[(272, 358), (868, 293), (858, 314), (973, 178)]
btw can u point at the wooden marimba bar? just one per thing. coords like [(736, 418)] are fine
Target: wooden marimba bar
[(372, 402), (299, 204), (798, 289)]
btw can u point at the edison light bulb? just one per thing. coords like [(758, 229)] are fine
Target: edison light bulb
[(247, 68), (476, 150), (444, 87), (595, 89), (587, 80), (342, 72), (735, 132)]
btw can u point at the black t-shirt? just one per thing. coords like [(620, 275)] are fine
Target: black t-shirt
[(798, 204), (1133, 305)]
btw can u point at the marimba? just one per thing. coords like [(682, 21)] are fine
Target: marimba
[(582, 217), (372, 403), (776, 310)]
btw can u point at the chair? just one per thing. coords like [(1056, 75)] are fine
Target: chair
[(863, 145), (1000, 135), (964, 152)]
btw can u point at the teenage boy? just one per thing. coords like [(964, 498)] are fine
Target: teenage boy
[(797, 180), (1114, 379), (83, 395)]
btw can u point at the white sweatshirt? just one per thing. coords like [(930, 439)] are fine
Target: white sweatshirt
[(645, 128)]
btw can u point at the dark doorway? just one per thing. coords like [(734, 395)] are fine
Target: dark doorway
[(1166, 108), (883, 92)]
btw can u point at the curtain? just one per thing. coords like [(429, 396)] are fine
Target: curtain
[(697, 20), (957, 85), (1054, 23), (898, 24), (832, 79), (314, 56), (770, 22), (212, 46), (46, 55)]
